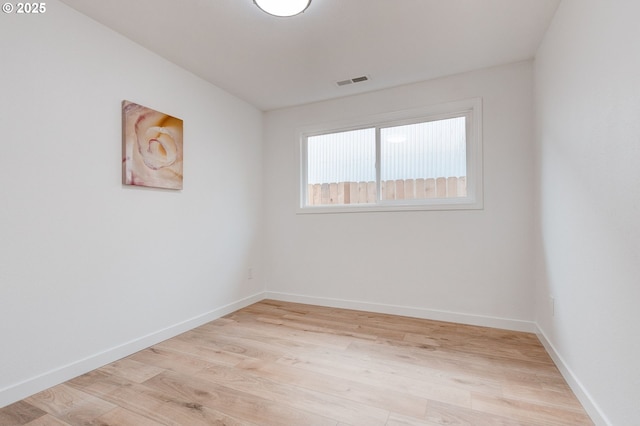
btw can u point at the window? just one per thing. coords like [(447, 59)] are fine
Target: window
[(426, 159)]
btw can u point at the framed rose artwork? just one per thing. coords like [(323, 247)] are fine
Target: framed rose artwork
[(152, 147)]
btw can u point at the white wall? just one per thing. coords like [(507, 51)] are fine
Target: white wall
[(587, 78), (469, 266), (91, 270)]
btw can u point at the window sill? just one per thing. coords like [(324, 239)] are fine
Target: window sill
[(435, 205)]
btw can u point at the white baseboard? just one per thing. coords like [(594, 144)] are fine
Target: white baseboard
[(432, 314), (18, 391), (574, 383)]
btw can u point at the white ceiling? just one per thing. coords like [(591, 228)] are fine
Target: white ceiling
[(277, 62)]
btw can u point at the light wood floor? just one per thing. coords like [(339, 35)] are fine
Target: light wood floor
[(276, 363)]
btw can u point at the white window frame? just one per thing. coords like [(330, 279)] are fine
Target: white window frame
[(469, 108)]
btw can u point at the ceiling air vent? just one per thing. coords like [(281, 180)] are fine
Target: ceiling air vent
[(353, 80)]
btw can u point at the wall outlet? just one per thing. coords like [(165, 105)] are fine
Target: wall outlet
[(250, 273)]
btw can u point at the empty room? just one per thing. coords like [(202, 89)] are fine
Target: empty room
[(325, 212)]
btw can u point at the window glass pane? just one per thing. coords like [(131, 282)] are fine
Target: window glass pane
[(341, 168), (424, 160)]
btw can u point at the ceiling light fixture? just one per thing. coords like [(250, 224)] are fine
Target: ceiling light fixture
[(283, 8)]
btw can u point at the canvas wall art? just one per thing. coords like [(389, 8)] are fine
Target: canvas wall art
[(152, 147)]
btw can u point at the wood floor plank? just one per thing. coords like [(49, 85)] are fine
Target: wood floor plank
[(536, 393), (139, 399), (285, 337), (46, 420), (178, 414), (298, 397), (19, 413), (280, 363), (444, 414), (98, 383), (524, 411), (167, 359), (132, 370), (469, 368), (156, 406), (122, 417), (399, 420), (202, 351), (237, 404), (69, 404), (381, 396), (351, 368)]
